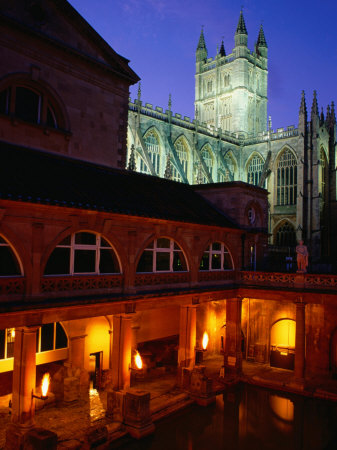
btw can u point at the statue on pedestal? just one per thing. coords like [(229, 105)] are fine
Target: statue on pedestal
[(302, 257)]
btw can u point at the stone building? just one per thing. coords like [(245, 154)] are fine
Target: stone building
[(98, 262), (231, 139)]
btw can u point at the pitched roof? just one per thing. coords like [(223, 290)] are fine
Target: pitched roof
[(34, 176)]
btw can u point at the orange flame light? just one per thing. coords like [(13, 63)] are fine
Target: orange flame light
[(45, 384), (138, 361), (205, 340)]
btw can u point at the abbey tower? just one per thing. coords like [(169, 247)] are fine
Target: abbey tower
[(231, 90)]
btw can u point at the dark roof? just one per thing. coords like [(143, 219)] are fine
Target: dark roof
[(34, 176)]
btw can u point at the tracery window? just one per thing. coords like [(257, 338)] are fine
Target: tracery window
[(216, 257), (162, 255), (208, 160), (82, 253), (323, 174), (255, 169), (29, 105), (287, 179), (285, 235), (182, 153), (152, 145), (228, 171), (9, 264), (50, 336)]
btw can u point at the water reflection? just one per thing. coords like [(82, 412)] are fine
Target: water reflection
[(245, 418)]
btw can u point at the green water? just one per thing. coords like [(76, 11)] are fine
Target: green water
[(247, 417)]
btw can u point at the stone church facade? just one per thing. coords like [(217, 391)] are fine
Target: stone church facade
[(231, 139)]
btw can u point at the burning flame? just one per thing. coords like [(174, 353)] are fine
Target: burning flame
[(13, 333), (205, 340), (138, 361), (45, 384)]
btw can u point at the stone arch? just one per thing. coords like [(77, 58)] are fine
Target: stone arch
[(282, 343), (48, 93), (12, 255)]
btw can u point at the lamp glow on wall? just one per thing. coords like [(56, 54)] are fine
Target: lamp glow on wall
[(44, 387)]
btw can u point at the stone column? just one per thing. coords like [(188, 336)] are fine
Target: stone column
[(300, 341), (24, 376), (187, 336), (121, 352), (233, 353), (76, 351)]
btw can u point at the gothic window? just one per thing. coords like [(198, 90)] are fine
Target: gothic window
[(228, 171), (323, 175), (30, 105), (182, 153), (286, 179), (50, 336), (216, 257), (208, 160), (142, 166), (9, 264), (82, 253), (255, 169), (209, 87), (226, 80), (285, 235), (162, 255), (152, 145)]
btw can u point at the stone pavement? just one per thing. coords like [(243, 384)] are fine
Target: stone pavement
[(77, 422)]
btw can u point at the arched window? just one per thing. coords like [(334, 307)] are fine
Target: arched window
[(287, 179), (323, 175), (81, 253), (50, 336), (9, 264), (255, 169), (216, 257), (228, 172), (162, 255), (285, 235), (152, 145), (208, 160), (182, 153), (30, 105)]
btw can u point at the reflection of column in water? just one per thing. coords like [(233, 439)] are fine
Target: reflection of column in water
[(231, 416)]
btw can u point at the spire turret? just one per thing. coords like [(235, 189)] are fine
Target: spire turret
[(303, 107), (314, 107), (201, 53), (333, 115), (261, 47), (132, 159), (222, 49), (321, 119), (241, 35)]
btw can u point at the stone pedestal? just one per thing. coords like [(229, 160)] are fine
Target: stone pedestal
[(137, 416), (33, 438), (198, 385), (115, 405)]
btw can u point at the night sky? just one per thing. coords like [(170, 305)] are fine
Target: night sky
[(160, 37)]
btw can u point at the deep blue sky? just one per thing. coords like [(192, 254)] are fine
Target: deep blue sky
[(160, 37)]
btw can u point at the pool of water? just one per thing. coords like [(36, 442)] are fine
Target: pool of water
[(247, 417)]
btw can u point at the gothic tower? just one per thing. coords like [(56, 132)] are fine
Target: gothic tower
[(231, 90)]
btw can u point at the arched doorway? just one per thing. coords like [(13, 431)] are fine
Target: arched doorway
[(282, 344)]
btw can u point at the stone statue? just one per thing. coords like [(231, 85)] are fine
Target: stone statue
[(302, 257)]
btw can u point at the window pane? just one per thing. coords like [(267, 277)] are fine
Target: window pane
[(61, 337), (163, 243), (85, 238), (27, 105), (104, 243), (108, 262), (8, 262), (58, 262), (227, 262), (150, 245), (179, 264), (204, 264), (2, 344), (216, 261), (146, 262), (216, 246), (66, 241), (163, 261), (51, 118), (47, 337), (84, 261), (10, 342), (4, 101)]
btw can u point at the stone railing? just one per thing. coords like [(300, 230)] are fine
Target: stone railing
[(279, 279), (148, 279), (80, 282), (12, 285), (221, 275)]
